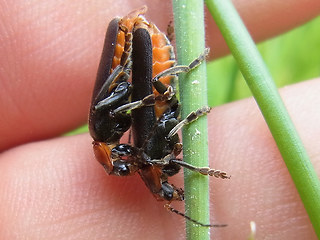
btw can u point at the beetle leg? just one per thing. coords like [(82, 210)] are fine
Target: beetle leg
[(159, 86), (190, 118), (177, 149), (146, 101), (202, 170), (117, 72), (167, 95), (171, 158), (121, 92)]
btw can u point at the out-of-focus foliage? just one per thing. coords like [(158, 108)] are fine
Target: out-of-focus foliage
[(291, 58)]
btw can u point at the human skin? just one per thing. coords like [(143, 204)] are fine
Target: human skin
[(52, 188)]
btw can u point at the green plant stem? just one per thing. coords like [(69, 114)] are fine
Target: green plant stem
[(265, 92), (189, 32)]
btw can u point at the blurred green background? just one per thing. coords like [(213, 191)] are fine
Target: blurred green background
[(291, 57)]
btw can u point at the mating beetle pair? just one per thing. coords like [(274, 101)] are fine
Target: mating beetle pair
[(136, 49)]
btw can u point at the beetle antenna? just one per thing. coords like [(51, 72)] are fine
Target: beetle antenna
[(171, 209)]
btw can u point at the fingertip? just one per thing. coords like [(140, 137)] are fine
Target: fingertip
[(55, 188)]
